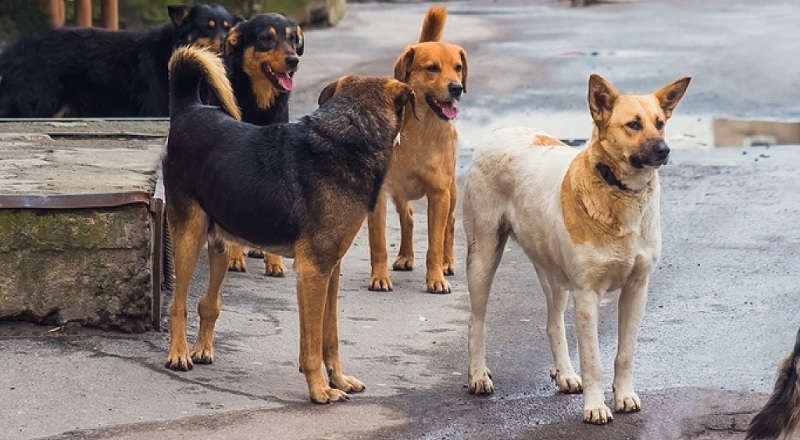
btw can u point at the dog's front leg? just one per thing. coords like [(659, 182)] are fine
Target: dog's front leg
[(587, 307), (330, 343), (438, 208), (379, 279), (632, 301), (562, 373), (312, 290)]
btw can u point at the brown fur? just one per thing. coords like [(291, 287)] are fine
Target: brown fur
[(338, 156), (780, 416), (424, 162)]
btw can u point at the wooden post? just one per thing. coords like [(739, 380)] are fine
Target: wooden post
[(110, 12), (56, 13), (83, 13)]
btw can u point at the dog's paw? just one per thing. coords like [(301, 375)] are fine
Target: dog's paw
[(380, 284), (348, 384), (481, 383), (403, 263), (567, 382), (438, 286), (327, 395), (274, 270), (255, 253), (627, 403), (179, 361), (203, 356), (449, 269), (237, 264), (599, 415)]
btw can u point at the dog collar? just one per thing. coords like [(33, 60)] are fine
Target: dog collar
[(609, 177)]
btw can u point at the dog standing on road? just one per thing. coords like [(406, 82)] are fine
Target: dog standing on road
[(262, 55), (298, 189), (89, 72), (588, 220), (781, 415), (424, 162)]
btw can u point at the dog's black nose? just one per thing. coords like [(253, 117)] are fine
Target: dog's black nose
[(292, 61), (662, 150), (455, 89)]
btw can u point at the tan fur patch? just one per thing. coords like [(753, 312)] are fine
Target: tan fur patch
[(543, 140), (263, 88)]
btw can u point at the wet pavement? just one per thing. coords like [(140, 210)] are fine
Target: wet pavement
[(723, 303)]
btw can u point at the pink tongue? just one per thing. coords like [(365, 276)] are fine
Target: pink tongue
[(449, 110), (285, 81)]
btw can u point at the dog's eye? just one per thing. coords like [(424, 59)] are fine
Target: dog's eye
[(634, 125), (459, 68), (659, 124), (433, 68)]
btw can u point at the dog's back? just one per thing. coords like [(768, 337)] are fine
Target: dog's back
[(781, 415)]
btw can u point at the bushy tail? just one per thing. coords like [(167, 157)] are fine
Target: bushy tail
[(187, 67), (433, 26), (781, 414)]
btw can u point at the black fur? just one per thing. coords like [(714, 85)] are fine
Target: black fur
[(254, 33), (88, 72)]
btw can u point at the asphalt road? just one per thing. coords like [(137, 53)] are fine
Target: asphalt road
[(723, 303)]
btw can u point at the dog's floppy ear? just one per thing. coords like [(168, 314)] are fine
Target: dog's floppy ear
[(232, 39), (301, 42), (328, 91), (601, 98), (402, 68), (670, 95), (463, 70), (178, 13), (407, 97)]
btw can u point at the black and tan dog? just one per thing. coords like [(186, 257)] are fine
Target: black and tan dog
[(91, 72), (262, 54), (298, 189), (781, 415)]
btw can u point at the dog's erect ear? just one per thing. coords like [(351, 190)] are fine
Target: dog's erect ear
[(232, 39), (237, 19), (670, 95), (601, 98), (402, 68), (301, 42), (328, 91), (178, 13), (463, 70)]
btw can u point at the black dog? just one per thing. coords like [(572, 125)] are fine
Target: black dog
[(781, 414), (90, 72), (299, 189), (262, 55)]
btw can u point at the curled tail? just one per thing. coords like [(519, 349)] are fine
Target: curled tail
[(187, 67), (433, 26), (781, 414)]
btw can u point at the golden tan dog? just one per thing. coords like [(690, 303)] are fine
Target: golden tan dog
[(588, 220), (220, 176), (424, 162)]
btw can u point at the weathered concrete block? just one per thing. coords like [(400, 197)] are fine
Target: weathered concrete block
[(91, 266)]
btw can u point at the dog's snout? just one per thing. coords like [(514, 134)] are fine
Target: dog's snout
[(292, 61), (455, 89), (662, 150)]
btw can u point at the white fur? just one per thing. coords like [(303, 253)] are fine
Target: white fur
[(513, 189)]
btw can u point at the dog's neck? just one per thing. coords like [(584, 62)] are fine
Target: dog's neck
[(609, 177)]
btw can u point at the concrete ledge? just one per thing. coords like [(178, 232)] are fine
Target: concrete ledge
[(744, 133)]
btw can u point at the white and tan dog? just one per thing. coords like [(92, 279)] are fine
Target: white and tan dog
[(589, 222)]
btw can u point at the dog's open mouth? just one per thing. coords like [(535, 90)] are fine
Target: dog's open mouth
[(283, 80), (445, 110)]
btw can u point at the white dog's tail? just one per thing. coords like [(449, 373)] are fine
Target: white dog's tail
[(781, 414)]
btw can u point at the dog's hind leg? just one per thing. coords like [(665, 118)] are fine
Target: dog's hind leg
[(379, 278), (486, 239), (405, 255), (587, 308), (188, 230), (632, 301), (563, 373), (210, 303), (330, 343)]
